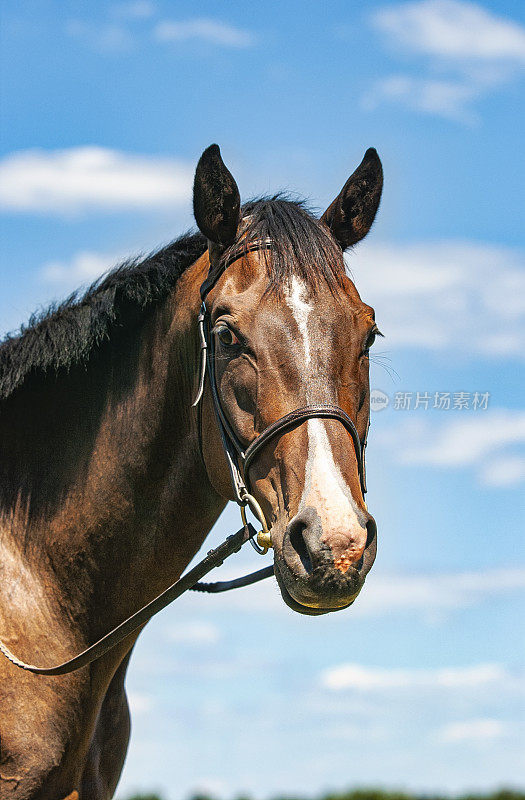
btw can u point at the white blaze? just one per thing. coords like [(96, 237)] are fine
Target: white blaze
[(301, 311), (324, 486)]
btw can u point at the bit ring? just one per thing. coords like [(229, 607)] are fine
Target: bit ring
[(264, 536)]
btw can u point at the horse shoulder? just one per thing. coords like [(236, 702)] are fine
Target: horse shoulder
[(52, 729)]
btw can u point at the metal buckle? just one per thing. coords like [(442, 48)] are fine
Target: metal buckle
[(204, 348), (263, 541)]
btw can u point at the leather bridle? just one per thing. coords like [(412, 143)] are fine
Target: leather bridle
[(239, 461)]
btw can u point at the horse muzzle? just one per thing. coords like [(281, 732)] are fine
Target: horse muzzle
[(312, 575)]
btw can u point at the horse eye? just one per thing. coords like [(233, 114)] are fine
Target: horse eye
[(227, 337), (370, 340)]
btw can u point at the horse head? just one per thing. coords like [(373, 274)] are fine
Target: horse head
[(290, 331)]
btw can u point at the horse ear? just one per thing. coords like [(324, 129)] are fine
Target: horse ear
[(353, 211), (216, 199)]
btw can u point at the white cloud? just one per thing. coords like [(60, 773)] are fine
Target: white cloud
[(468, 441), (372, 679), (449, 99), (91, 178), (505, 471), (116, 34), (136, 9), (479, 50), (195, 632), (428, 595), (478, 440), (84, 266), (104, 38), (203, 29), (461, 297), (453, 30), (139, 702), (472, 730)]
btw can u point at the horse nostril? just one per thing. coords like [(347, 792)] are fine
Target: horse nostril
[(371, 531), (298, 543), (302, 542)]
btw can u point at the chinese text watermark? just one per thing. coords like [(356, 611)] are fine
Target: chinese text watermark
[(425, 401)]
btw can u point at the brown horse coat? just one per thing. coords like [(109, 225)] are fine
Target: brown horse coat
[(110, 480)]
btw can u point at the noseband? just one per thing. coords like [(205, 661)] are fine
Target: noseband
[(239, 459)]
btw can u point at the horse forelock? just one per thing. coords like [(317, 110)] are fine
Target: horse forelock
[(301, 247)]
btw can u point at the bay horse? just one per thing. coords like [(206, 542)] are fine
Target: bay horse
[(110, 478)]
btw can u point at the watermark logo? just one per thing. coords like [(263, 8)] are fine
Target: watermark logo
[(378, 400), (425, 401)]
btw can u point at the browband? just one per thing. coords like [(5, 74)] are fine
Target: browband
[(222, 265)]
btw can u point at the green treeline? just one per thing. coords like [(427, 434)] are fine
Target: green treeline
[(369, 794)]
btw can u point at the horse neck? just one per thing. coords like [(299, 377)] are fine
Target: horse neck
[(115, 500)]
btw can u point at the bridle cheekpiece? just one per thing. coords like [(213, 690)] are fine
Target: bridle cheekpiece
[(239, 458)]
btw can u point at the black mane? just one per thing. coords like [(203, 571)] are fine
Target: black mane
[(67, 333)]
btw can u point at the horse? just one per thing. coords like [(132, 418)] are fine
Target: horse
[(111, 475)]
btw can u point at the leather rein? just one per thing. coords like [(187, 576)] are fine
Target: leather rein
[(239, 462)]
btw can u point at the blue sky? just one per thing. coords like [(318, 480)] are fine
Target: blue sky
[(106, 109)]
